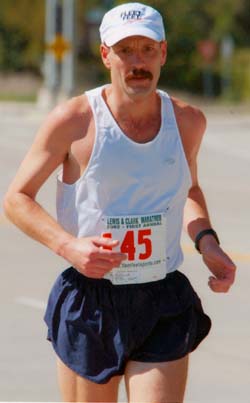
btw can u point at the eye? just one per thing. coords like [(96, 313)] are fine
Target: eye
[(148, 49), (126, 50)]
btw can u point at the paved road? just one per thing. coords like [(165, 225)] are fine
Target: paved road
[(220, 369)]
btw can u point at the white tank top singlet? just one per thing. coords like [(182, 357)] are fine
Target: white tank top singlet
[(133, 192)]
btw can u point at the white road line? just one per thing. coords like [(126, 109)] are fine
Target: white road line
[(31, 302)]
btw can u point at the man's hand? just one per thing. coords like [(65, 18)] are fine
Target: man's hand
[(92, 256), (220, 265)]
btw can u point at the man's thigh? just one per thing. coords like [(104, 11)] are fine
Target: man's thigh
[(75, 388), (156, 382)]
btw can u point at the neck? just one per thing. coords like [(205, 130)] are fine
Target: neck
[(139, 119), (123, 106)]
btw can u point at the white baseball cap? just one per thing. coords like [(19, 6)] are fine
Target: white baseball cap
[(131, 19)]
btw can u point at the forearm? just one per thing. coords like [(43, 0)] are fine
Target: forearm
[(34, 221), (196, 216)]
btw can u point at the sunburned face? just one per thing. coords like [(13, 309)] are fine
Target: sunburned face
[(135, 64)]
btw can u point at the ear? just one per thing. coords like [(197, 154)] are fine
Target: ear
[(164, 51), (105, 50)]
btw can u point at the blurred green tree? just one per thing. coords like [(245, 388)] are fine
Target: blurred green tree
[(187, 22), (21, 34)]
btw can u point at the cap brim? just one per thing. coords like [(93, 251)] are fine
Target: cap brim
[(115, 36)]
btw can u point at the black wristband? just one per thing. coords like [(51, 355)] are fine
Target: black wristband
[(201, 234)]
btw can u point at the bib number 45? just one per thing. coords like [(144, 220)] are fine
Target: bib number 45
[(131, 242)]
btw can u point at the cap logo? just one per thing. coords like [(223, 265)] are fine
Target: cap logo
[(132, 14), (136, 19)]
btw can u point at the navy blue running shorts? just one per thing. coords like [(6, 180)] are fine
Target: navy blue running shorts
[(96, 327)]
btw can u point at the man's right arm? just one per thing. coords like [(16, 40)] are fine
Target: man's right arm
[(49, 150)]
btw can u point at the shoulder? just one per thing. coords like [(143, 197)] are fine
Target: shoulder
[(189, 117), (70, 118), (192, 124)]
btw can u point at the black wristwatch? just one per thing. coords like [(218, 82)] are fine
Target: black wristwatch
[(201, 234)]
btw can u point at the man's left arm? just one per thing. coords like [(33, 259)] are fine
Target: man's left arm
[(196, 216)]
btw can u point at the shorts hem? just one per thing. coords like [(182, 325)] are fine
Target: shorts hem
[(152, 359), (104, 380)]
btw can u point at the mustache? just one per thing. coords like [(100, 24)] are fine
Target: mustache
[(139, 73)]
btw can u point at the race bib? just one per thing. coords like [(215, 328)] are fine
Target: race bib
[(143, 239)]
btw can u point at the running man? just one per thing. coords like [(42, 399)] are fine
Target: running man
[(128, 182)]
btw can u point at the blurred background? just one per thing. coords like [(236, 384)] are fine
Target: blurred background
[(43, 40)]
